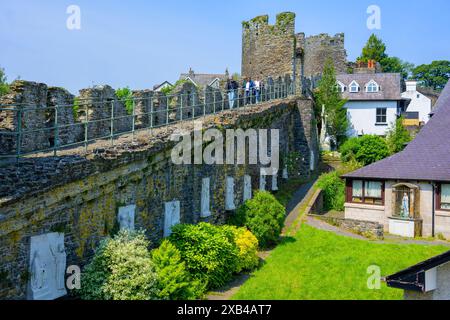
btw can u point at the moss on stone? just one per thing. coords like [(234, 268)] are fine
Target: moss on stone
[(259, 20), (285, 19)]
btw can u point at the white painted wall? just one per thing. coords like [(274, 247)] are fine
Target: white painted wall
[(419, 102), (362, 117)]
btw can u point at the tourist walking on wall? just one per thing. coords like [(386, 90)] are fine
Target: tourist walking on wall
[(249, 87), (232, 86), (270, 88), (258, 91)]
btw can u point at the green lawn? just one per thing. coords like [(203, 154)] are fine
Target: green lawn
[(319, 265)]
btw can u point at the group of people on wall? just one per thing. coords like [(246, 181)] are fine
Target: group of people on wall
[(252, 89)]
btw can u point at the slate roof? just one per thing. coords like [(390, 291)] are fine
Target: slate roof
[(202, 79), (390, 83), (426, 158), (413, 278)]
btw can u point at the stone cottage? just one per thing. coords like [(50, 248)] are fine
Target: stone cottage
[(408, 193)]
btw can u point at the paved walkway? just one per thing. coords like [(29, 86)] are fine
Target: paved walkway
[(301, 196), (321, 225)]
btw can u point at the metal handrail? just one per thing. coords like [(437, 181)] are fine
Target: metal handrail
[(174, 107)]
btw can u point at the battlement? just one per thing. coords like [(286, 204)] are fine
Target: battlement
[(326, 39), (285, 23)]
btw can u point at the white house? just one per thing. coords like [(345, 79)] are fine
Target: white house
[(420, 105), (160, 87), (374, 101)]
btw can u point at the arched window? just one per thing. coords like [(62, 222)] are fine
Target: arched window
[(354, 87), (372, 86)]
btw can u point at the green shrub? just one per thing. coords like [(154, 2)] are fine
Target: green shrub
[(333, 190), (174, 281), (247, 244), (349, 149), (126, 96), (76, 108), (398, 136), (121, 270), (365, 150), (263, 216), (209, 252)]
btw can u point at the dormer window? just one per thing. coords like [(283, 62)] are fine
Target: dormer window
[(372, 86), (341, 87), (354, 87)]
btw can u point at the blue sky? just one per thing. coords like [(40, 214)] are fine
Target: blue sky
[(141, 43)]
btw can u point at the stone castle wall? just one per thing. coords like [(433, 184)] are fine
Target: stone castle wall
[(267, 50), (276, 50), (81, 196), (317, 49)]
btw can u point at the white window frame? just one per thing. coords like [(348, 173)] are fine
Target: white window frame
[(341, 87), (444, 203), (372, 84), (353, 84)]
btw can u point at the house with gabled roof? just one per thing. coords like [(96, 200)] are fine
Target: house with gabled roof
[(374, 101), (408, 193), (204, 79)]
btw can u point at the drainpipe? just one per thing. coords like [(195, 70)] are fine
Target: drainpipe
[(433, 210)]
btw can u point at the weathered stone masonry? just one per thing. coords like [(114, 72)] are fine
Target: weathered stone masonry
[(276, 50), (80, 196)]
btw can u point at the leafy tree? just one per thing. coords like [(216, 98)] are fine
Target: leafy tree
[(4, 87), (328, 95), (365, 150), (398, 136), (375, 49), (434, 75), (396, 65)]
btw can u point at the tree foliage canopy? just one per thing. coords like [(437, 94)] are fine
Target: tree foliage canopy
[(328, 95), (375, 49), (434, 75)]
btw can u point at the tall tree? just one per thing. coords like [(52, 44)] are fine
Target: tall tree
[(375, 49), (396, 65), (4, 87), (329, 96), (434, 75)]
